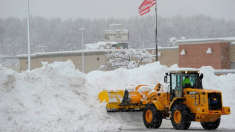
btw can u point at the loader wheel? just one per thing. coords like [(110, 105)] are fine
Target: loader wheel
[(211, 125), (152, 117), (180, 117)]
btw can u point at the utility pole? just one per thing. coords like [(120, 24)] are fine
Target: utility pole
[(156, 32), (28, 39)]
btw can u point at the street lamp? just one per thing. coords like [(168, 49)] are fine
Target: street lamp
[(82, 51), (28, 39)]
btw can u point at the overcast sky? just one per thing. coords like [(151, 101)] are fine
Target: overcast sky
[(115, 8)]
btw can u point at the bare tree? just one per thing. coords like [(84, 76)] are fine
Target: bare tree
[(127, 58)]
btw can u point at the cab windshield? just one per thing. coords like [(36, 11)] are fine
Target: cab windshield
[(191, 81)]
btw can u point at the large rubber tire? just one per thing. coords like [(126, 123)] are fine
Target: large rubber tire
[(152, 117), (180, 117), (211, 125)]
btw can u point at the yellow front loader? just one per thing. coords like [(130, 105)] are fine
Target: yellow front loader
[(183, 102)]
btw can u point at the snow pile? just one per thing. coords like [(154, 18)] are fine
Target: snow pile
[(56, 97), (153, 73), (51, 98), (149, 74), (120, 79), (225, 84), (145, 88)]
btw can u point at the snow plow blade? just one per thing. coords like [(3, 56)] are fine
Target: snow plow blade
[(112, 98), (126, 100)]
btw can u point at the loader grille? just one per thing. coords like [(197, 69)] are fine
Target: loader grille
[(214, 101)]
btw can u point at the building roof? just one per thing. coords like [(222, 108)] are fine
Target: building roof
[(96, 46), (163, 48), (206, 40), (59, 53), (4, 56), (65, 52)]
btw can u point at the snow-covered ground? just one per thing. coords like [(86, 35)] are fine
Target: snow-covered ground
[(56, 97)]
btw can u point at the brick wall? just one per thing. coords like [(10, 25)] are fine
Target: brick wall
[(196, 55)]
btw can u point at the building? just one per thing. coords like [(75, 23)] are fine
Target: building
[(93, 59), (11, 62), (195, 53), (168, 55), (121, 36), (216, 52), (106, 45)]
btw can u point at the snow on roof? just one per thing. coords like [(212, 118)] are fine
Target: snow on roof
[(104, 43), (60, 52), (173, 47), (206, 40), (96, 46), (162, 48), (65, 52), (91, 47), (5, 56), (117, 30)]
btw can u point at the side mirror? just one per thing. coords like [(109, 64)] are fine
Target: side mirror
[(165, 79), (201, 76)]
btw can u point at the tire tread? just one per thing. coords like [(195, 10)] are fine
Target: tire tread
[(157, 117)]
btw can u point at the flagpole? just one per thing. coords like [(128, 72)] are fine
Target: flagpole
[(156, 31), (145, 8)]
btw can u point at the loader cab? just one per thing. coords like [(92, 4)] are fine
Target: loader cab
[(178, 80)]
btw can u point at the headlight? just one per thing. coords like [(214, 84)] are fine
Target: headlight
[(214, 101)]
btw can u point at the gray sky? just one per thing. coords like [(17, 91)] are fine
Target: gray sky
[(114, 8)]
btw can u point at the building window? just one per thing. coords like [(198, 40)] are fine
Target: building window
[(232, 65)]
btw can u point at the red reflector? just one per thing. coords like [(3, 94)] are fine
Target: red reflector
[(222, 112), (210, 111), (203, 110)]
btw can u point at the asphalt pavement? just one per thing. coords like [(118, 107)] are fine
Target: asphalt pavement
[(133, 122), (171, 129)]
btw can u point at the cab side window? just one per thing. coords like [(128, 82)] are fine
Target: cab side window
[(173, 86), (173, 81), (179, 81)]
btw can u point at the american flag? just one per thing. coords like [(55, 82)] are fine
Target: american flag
[(145, 6)]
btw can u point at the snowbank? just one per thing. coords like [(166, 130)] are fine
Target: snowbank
[(51, 98), (149, 74), (225, 84), (56, 97), (153, 73)]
